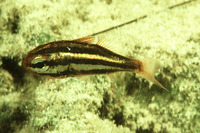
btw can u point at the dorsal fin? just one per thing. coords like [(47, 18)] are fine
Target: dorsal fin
[(103, 43), (87, 39)]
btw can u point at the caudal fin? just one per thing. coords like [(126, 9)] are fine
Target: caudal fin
[(149, 67)]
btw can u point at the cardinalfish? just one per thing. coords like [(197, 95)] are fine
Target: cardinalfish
[(77, 57)]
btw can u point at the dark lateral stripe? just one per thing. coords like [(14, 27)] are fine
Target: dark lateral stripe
[(67, 61), (92, 62), (76, 73)]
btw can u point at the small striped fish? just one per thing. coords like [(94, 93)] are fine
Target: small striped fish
[(61, 59)]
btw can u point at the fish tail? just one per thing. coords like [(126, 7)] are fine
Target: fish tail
[(148, 69)]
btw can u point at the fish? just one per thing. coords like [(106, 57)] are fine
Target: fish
[(79, 57)]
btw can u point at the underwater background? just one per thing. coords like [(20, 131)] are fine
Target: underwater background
[(121, 102)]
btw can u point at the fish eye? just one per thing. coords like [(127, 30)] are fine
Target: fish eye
[(40, 65)]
